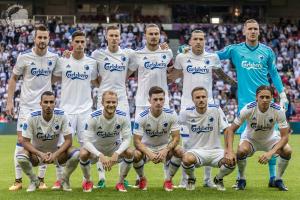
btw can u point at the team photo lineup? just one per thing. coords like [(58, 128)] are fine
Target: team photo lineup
[(114, 106)]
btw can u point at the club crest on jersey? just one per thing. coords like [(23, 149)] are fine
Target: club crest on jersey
[(25, 127), (114, 67), (251, 65), (118, 126), (86, 67), (56, 127), (123, 58), (76, 75), (50, 63), (165, 124), (197, 70), (211, 119), (40, 72), (261, 57), (206, 62), (156, 65), (164, 56)]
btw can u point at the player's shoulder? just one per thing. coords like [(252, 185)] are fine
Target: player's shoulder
[(251, 105), (96, 113), (213, 106), (36, 113), (275, 106), (140, 50), (26, 52), (58, 111), (192, 108), (90, 58), (168, 111), (265, 47), (121, 113), (51, 53), (144, 113)]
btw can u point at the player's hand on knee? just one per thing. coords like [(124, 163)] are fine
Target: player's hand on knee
[(105, 162), (153, 157), (114, 158), (264, 158), (162, 154), (230, 158), (44, 157)]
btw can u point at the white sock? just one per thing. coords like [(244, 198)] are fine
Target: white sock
[(189, 170), (26, 166), (124, 169), (18, 170), (86, 169), (207, 174), (139, 168), (281, 166), (42, 171), (224, 171), (173, 167), (71, 164), (101, 171), (242, 165), (59, 172)]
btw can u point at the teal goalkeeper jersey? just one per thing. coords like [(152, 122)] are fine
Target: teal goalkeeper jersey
[(253, 64)]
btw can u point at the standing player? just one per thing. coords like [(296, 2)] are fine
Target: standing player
[(260, 135), (41, 134), (205, 123), (36, 66), (107, 139), (76, 74), (152, 131), (196, 66), (253, 62)]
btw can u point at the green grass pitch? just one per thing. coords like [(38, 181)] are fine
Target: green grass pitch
[(257, 179)]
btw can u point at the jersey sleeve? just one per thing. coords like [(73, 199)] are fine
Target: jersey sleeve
[(126, 136), (215, 62), (223, 123), (281, 119), (177, 64), (225, 53), (20, 66), (27, 128), (182, 118), (133, 62), (58, 67), (242, 116), (174, 123), (138, 128), (65, 126), (94, 73), (272, 69)]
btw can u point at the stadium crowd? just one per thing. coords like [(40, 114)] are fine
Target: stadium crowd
[(284, 38)]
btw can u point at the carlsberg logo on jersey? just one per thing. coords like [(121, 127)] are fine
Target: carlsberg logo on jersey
[(261, 127), (156, 65), (40, 72), (197, 70), (201, 129), (155, 133), (114, 67), (45, 137), (251, 65), (76, 75)]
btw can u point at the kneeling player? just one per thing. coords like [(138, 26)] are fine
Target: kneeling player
[(259, 135), (152, 130), (203, 147), (107, 139), (41, 134)]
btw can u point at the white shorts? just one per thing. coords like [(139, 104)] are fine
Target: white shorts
[(210, 157), (257, 145), (78, 122), (22, 117)]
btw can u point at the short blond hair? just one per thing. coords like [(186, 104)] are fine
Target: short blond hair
[(109, 92), (151, 26), (250, 21)]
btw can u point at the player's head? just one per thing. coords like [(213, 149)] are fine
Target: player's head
[(264, 96), (47, 102), (152, 33), (113, 36), (197, 41), (199, 97), (109, 102), (156, 98), (78, 41), (251, 30), (41, 38)]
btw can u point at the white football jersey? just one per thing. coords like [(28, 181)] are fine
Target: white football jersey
[(260, 126), (101, 133), (197, 72), (45, 135), (113, 71), (156, 132), (76, 92), (203, 129), (152, 71), (37, 72)]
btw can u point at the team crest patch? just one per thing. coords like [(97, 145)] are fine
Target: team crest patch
[(211, 119), (271, 120), (164, 56), (206, 62), (261, 57), (165, 124), (86, 67), (136, 126), (24, 126), (123, 58), (56, 127), (118, 126), (50, 63)]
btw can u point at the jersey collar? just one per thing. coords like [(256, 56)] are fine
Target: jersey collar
[(250, 47)]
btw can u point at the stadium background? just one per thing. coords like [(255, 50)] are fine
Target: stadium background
[(221, 20)]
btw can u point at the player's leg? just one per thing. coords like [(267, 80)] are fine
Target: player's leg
[(219, 161), (188, 163), (124, 168), (272, 164), (71, 159), (174, 158), (184, 137), (283, 161), (26, 162), (245, 148), (138, 165), (85, 165)]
